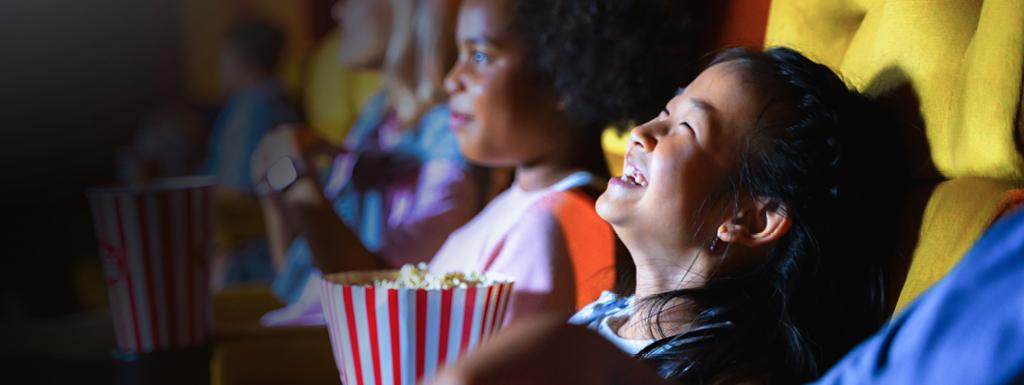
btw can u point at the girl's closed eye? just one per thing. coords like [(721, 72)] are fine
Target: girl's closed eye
[(687, 125)]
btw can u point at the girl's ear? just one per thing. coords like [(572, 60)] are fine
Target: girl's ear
[(756, 225)]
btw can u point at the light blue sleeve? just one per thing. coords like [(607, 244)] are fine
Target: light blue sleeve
[(212, 162), (261, 121), (607, 305), (246, 119), (298, 265), (967, 329)]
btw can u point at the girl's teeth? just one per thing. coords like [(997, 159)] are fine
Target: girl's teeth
[(637, 178), (640, 180), (633, 177)]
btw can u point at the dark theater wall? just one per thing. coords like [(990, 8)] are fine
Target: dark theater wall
[(75, 78)]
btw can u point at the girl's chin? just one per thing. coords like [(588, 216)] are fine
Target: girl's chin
[(612, 209), (473, 151), (479, 157), (620, 197)]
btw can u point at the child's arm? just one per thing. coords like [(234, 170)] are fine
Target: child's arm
[(445, 198), (279, 233), (335, 247), (302, 208), (545, 350)]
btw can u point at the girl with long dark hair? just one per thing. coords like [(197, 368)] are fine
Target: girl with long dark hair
[(758, 210)]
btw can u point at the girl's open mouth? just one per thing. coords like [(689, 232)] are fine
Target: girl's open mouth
[(632, 174), (634, 177)]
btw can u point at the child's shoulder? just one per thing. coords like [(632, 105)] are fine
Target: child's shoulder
[(568, 206), (566, 200)]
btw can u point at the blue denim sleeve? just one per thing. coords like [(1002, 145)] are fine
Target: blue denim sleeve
[(967, 329), (298, 265)]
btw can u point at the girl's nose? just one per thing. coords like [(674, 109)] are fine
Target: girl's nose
[(452, 81), (646, 135)]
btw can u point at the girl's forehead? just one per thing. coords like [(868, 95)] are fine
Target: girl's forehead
[(485, 20), (724, 105), (725, 89)]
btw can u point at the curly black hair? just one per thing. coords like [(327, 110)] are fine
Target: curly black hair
[(610, 61), (831, 158)]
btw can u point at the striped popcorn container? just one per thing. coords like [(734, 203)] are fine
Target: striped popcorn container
[(155, 243), (387, 336)]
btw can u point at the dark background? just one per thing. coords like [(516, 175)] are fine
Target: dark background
[(76, 79)]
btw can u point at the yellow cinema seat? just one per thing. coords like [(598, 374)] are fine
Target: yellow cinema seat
[(334, 94), (953, 70)]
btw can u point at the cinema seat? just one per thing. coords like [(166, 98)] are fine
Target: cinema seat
[(953, 70)]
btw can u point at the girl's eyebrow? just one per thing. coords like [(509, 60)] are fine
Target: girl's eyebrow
[(702, 105), (481, 40)]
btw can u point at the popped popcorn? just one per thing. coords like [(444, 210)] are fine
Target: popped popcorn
[(419, 277)]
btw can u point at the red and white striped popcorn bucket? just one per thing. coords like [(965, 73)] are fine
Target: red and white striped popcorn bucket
[(388, 336), (155, 243)]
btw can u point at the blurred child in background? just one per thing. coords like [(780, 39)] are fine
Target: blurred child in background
[(256, 104), (397, 188)]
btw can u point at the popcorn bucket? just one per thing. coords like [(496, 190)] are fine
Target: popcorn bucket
[(388, 336), (155, 245)]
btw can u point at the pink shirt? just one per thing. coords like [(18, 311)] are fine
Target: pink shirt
[(547, 240)]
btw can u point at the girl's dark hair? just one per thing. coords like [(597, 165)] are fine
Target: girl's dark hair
[(611, 62), (831, 159)]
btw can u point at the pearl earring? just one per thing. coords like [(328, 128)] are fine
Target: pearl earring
[(713, 247)]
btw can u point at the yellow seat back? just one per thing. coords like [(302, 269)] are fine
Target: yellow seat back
[(334, 94), (953, 68), (962, 59)]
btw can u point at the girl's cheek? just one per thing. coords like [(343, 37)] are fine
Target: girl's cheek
[(476, 83)]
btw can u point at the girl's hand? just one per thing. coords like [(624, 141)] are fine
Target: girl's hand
[(374, 169), (279, 143), (546, 350)]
